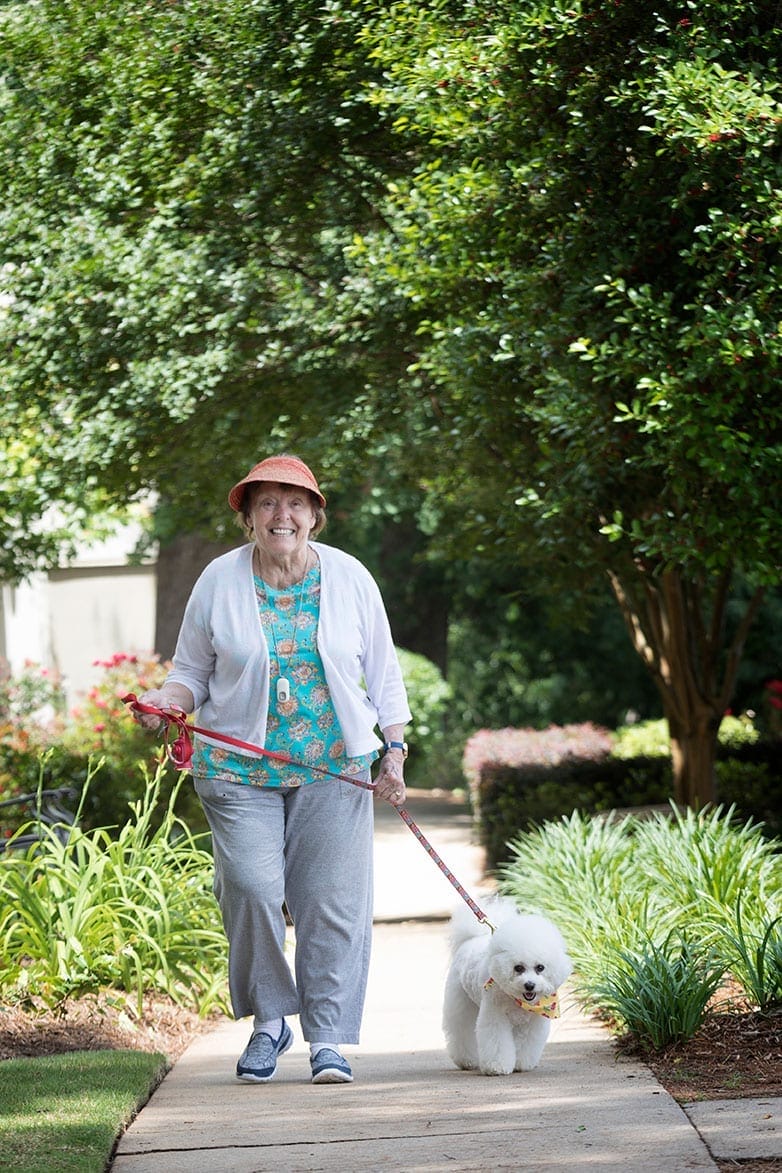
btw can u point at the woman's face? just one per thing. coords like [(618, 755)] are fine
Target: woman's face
[(282, 517)]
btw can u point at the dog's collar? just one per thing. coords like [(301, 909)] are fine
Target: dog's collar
[(547, 1007)]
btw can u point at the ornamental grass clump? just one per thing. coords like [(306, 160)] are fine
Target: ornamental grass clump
[(641, 900), (127, 908), (658, 993), (578, 870), (705, 855), (756, 960)]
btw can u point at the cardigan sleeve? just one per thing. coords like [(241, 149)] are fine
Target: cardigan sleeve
[(194, 655), (382, 673)]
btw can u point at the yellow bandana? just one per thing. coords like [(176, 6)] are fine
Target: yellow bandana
[(547, 1007)]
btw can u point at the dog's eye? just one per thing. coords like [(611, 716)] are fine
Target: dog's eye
[(539, 968), (519, 968)]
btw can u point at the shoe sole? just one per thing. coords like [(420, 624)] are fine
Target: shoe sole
[(332, 1075), (248, 1077)]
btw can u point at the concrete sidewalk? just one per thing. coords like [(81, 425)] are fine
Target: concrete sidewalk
[(409, 1108)]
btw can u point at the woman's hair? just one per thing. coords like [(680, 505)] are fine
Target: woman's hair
[(251, 491)]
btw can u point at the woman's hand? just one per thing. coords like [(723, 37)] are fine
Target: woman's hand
[(169, 698), (390, 783)]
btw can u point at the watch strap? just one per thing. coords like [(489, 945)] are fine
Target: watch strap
[(387, 745)]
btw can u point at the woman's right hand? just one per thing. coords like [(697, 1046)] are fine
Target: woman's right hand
[(168, 699)]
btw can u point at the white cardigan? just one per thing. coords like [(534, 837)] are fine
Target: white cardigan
[(223, 658)]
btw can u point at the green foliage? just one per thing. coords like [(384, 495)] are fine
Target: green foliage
[(178, 189), (39, 745), (133, 911), (655, 910), (519, 657), (651, 739), (519, 259), (660, 993), (758, 961), (512, 799), (520, 777), (428, 695), (647, 739), (598, 267), (65, 1112)]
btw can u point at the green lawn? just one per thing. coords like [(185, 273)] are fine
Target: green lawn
[(65, 1112)]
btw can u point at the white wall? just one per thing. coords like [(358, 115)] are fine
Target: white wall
[(95, 612), (87, 611)]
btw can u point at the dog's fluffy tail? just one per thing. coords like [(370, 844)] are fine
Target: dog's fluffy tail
[(465, 924)]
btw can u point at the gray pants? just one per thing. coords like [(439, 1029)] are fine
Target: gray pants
[(312, 848)]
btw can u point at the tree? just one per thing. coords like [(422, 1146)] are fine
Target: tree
[(179, 183), (517, 262), (590, 241)]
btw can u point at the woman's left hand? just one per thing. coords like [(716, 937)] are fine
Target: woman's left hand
[(390, 783)]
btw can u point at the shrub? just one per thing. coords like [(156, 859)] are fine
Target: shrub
[(32, 707), (428, 694), (520, 777), (654, 909), (37, 739), (101, 725), (491, 748), (647, 739), (651, 739), (132, 910), (658, 993)]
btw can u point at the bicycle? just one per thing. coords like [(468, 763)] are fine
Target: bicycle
[(47, 810)]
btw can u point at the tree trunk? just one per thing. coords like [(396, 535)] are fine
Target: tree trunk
[(178, 566), (677, 626), (693, 756)]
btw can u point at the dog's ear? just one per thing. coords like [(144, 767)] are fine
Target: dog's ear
[(563, 969)]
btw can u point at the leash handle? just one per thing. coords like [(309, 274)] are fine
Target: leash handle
[(180, 753)]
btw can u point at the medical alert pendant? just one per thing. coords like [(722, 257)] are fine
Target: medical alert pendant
[(283, 689)]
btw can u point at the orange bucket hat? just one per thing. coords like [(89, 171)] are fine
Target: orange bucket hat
[(283, 470)]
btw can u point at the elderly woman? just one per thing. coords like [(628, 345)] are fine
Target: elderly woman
[(285, 644)]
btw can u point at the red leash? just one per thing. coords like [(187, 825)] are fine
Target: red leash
[(180, 753)]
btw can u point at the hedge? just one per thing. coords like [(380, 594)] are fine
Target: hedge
[(511, 798)]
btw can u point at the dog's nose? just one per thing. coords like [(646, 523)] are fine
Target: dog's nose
[(529, 986)]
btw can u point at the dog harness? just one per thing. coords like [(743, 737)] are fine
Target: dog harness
[(547, 1007)]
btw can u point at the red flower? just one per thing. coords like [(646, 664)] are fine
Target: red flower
[(774, 686)]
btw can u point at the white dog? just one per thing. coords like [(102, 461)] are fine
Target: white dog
[(501, 989)]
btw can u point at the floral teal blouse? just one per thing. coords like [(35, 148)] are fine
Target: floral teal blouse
[(301, 722)]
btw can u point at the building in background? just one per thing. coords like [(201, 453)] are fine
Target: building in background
[(68, 618)]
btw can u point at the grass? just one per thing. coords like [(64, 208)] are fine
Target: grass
[(65, 1112), (129, 908)]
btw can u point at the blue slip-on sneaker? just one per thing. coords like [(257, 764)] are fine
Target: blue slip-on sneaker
[(258, 1061), (329, 1066)]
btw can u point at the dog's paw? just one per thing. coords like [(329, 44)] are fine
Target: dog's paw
[(494, 1069), (463, 1063)]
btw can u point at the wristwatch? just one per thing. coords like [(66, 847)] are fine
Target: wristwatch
[(387, 745)]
